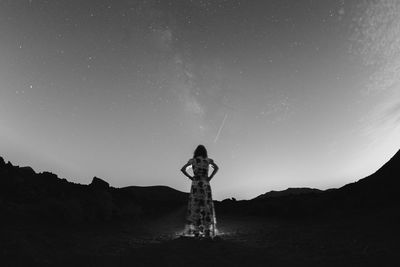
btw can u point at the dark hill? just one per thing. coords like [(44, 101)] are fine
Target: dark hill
[(27, 195), (156, 193), (377, 191), (288, 192), (384, 181)]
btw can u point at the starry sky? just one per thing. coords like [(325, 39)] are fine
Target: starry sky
[(283, 93)]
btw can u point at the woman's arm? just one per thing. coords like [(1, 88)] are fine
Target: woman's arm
[(215, 169), (183, 170)]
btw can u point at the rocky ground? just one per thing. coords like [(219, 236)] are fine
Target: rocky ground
[(361, 240)]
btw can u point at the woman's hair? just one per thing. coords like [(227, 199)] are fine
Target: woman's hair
[(200, 151)]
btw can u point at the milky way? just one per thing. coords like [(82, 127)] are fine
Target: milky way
[(283, 93)]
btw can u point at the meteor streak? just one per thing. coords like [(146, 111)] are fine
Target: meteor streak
[(220, 128)]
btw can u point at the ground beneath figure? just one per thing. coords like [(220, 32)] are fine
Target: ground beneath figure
[(242, 241)]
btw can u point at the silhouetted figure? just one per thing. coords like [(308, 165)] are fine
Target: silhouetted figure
[(200, 217)]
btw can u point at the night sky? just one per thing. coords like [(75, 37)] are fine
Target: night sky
[(283, 93)]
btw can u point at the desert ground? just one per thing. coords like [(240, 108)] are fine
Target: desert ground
[(360, 240)]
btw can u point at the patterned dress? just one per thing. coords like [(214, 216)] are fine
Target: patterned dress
[(200, 217)]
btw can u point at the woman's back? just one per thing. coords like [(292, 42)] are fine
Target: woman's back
[(200, 166)]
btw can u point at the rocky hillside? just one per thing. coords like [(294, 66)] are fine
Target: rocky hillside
[(27, 195), (378, 191), (288, 192)]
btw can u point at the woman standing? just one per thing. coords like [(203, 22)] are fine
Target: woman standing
[(200, 215)]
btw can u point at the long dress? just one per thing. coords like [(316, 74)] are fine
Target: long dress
[(200, 216)]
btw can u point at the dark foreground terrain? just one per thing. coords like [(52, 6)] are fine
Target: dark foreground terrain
[(251, 241), (48, 221)]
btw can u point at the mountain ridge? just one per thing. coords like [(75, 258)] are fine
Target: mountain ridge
[(23, 192)]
